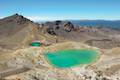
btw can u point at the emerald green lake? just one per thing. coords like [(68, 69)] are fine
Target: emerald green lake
[(36, 44), (70, 58)]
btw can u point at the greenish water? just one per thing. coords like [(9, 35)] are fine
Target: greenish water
[(70, 58), (35, 44)]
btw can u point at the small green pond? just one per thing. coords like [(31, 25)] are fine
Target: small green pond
[(70, 58), (37, 44)]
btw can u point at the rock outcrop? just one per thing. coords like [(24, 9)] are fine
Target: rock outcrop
[(58, 27)]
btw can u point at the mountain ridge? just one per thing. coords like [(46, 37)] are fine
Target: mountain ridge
[(18, 30), (103, 23)]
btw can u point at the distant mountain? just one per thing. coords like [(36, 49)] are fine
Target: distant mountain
[(103, 23)]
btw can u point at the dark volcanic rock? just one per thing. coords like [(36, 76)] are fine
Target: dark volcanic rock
[(59, 27), (51, 31), (68, 26)]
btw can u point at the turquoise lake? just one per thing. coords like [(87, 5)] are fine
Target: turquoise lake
[(70, 58)]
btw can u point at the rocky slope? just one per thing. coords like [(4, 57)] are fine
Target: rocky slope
[(14, 30), (101, 37), (19, 61), (106, 68), (17, 31)]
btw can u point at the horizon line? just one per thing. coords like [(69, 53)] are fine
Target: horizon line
[(45, 18)]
